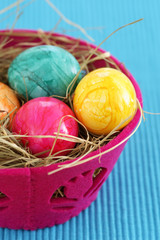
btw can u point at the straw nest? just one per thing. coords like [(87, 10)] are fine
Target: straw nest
[(12, 153)]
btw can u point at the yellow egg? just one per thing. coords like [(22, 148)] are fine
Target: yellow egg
[(104, 99)]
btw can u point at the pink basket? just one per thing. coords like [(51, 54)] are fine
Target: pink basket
[(28, 201)]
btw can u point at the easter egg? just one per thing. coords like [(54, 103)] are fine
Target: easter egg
[(43, 71), (104, 100), (9, 102), (43, 116)]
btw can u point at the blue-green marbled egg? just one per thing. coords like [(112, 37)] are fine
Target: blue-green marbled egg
[(43, 71)]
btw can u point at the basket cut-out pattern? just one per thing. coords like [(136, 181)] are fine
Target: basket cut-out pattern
[(28, 201)]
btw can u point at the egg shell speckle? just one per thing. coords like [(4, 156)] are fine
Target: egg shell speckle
[(104, 100), (43, 71), (42, 116), (9, 102)]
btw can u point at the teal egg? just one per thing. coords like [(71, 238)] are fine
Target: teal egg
[(43, 71)]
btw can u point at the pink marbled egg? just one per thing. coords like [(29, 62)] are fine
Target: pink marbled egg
[(41, 116)]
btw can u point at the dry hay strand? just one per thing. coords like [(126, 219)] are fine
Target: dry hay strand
[(12, 153)]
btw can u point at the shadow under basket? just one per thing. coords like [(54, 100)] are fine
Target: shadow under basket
[(27, 194)]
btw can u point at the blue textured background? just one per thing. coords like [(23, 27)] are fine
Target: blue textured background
[(128, 205)]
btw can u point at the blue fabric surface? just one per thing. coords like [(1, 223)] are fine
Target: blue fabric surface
[(128, 205)]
